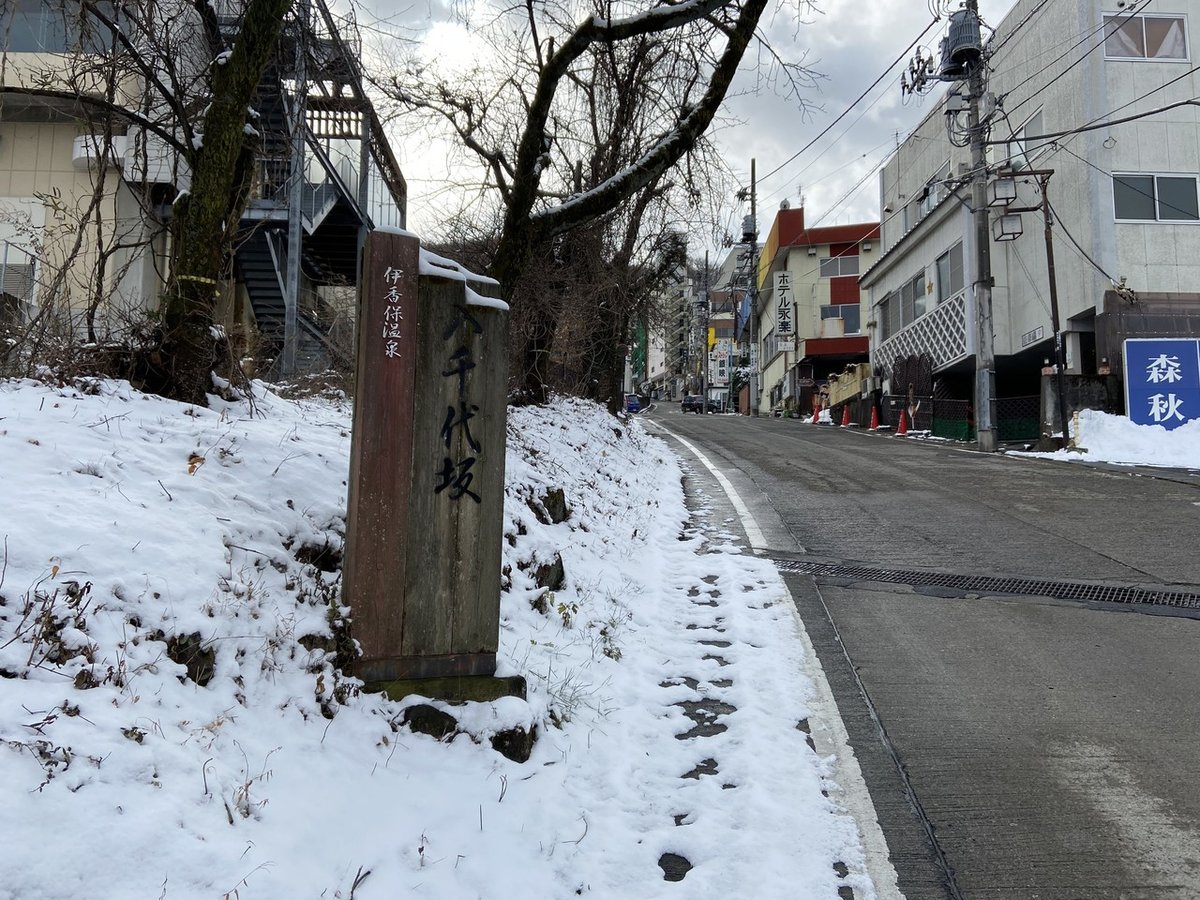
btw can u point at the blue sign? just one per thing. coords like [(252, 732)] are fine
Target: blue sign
[(1162, 380)]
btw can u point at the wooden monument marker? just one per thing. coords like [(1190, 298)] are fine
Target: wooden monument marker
[(421, 571)]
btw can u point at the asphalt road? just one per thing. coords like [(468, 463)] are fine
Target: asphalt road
[(1014, 746)]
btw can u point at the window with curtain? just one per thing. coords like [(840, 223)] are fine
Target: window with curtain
[(1145, 37)]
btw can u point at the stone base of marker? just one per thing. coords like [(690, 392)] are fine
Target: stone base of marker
[(452, 688), (516, 743)]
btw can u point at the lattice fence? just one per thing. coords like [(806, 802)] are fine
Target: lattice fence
[(941, 334)]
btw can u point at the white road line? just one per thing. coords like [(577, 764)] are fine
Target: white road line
[(758, 543)]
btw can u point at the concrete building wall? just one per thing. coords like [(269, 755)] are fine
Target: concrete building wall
[(1042, 87), (45, 192)]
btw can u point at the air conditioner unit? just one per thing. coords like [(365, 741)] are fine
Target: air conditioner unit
[(149, 159), (86, 149)]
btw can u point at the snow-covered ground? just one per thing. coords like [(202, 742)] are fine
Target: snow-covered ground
[(173, 722), (1115, 439)]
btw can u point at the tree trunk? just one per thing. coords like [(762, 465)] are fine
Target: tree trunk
[(206, 220)]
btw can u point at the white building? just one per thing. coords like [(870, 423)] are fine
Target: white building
[(1086, 90)]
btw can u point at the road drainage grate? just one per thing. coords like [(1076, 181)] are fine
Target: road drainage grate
[(1061, 590)]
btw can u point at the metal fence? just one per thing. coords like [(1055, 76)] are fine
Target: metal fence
[(1017, 418)]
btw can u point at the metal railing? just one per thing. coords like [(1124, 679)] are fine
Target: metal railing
[(1017, 418)]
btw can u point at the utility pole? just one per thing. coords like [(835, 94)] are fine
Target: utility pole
[(752, 231), (1060, 355), (1059, 350), (985, 353), (707, 312), (295, 237)]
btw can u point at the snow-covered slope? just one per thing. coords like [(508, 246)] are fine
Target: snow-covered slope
[(173, 722)]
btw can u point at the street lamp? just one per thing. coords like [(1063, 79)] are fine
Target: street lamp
[(1001, 190), (1007, 227)]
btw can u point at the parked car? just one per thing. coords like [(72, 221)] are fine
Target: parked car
[(693, 403), (632, 403)]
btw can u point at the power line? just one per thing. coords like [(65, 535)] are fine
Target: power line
[(1155, 90), (1016, 28), (850, 108), (850, 193), (1075, 243), (1150, 196), (936, 12), (1095, 126)]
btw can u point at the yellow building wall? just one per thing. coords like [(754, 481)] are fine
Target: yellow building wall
[(37, 170)]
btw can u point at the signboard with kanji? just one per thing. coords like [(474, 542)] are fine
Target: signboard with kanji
[(785, 324), (719, 368), (1162, 380), (426, 490)]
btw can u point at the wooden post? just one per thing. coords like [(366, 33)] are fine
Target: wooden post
[(426, 491)]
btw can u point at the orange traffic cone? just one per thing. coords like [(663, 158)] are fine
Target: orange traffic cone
[(874, 418), (903, 429), (846, 416)]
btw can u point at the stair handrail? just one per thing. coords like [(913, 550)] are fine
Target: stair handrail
[(332, 173), (381, 150)]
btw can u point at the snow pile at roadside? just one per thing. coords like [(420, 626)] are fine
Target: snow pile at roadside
[(173, 721), (1115, 439)]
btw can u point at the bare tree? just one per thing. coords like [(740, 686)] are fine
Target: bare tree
[(586, 124)]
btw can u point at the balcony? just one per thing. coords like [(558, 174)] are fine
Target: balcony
[(940, 333)]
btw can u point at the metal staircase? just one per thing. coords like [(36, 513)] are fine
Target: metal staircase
[(260, 268), (331, 217)]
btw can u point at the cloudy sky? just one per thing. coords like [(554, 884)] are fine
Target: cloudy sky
[(849, 46), (846, 45)]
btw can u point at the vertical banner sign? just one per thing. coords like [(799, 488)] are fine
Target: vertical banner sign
[(426, 491), (1162, 380), (721, 368), (785, 325)]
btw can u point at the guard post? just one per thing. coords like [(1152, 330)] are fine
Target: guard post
[(421, 571)]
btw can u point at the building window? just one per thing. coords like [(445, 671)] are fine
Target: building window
[(835, 266), (889, 317), (1145, 37), (950, 273), (934, 191), (1019, 151), (33, 26), (1155, 198), (849, 313), (912, 299)]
